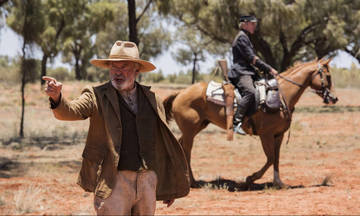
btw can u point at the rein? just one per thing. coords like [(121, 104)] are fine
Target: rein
[(289, 80), (287, 111), (323, 92), (319, 71)]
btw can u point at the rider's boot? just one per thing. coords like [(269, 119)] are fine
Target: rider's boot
[(238, 118)]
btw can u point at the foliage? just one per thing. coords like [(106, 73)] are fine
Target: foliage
[(87, 18), (153, 77), (9, 70), (97, 74), (61, 74), (351, 17), (26, 14), (31, 67), (153, 36), (26, 20), (287, 30)]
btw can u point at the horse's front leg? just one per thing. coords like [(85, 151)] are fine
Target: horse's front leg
[(277, 181), (267, 142)]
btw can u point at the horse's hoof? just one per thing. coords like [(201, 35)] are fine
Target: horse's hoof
[(195, 185), (281, 185), (249, 181)]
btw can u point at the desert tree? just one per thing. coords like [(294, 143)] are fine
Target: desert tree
[(25, 19), (193, 49), (142, 26), (78, 38)]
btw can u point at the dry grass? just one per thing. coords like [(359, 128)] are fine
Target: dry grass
[(27, 199)]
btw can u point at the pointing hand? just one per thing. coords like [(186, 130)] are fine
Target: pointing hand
[(53, 88)]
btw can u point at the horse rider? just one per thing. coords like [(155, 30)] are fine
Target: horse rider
[(242, 72)]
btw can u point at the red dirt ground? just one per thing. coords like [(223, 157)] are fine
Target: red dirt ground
[(321, 163)]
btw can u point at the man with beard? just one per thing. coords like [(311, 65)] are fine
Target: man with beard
[(131, 158)]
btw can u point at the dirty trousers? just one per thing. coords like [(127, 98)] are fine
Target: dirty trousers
[(134, 194)]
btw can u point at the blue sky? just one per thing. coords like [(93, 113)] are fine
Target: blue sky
[(10, 44)]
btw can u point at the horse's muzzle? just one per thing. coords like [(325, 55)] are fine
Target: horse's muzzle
[(329, 98)]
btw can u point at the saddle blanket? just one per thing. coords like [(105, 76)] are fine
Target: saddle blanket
[(266, 96), (215, 93)]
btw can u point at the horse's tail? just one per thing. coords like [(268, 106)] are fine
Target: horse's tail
[(168, 106)]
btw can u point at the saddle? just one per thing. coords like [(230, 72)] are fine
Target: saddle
[(267, 98)]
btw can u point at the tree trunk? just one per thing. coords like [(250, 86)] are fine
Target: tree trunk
[(23, 82), (264, 48), (194, 68), (3, 2), (133, 36), (77, 52), (77, 69), (21, 133), (43, 68)]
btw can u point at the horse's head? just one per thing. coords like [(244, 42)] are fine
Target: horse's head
[(321, 82)]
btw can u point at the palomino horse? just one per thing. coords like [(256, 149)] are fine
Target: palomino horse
[(192, 112)]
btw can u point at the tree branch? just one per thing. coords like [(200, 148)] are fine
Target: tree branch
[(214, 36), (283, 42), (143, 12), (3, 2)]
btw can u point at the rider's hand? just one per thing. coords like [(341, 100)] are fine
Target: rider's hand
[(274, 72), (53, 88)]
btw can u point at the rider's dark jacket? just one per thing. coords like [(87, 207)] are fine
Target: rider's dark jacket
[(243, 55)]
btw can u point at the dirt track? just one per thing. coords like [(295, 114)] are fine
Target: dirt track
[(321, 163)]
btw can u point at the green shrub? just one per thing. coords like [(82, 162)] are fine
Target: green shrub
[(153, 77), (32, 70), (61, 74), (9, 70), (95, 74)]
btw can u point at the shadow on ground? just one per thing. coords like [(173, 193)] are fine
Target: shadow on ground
[(12, 168), (44, 142), (233, 186)]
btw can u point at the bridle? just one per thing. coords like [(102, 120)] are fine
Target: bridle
[(324, 92)]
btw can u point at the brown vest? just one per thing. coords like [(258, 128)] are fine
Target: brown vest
[(137, 145)]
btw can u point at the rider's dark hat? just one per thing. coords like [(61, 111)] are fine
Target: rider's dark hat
[(248, 19)]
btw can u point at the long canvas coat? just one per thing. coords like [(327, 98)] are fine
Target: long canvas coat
[(100, 158)]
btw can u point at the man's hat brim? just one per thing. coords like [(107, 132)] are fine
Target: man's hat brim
[(106, 63)]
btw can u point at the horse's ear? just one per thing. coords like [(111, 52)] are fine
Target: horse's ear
[(329, 60), (325, 61)]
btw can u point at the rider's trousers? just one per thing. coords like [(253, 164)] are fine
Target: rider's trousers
[(245, 85)]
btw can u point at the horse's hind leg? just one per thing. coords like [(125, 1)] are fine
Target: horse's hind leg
[(190, 127), (267, 142), (187, 143)]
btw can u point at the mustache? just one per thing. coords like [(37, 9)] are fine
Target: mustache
[(117, 77)]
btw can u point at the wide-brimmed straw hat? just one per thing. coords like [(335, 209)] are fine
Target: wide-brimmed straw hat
[(124, 51)]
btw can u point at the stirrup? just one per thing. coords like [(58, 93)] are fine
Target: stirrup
[(239, 130)]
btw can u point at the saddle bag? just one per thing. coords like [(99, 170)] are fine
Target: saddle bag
[(273, 102), (269, 99)]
